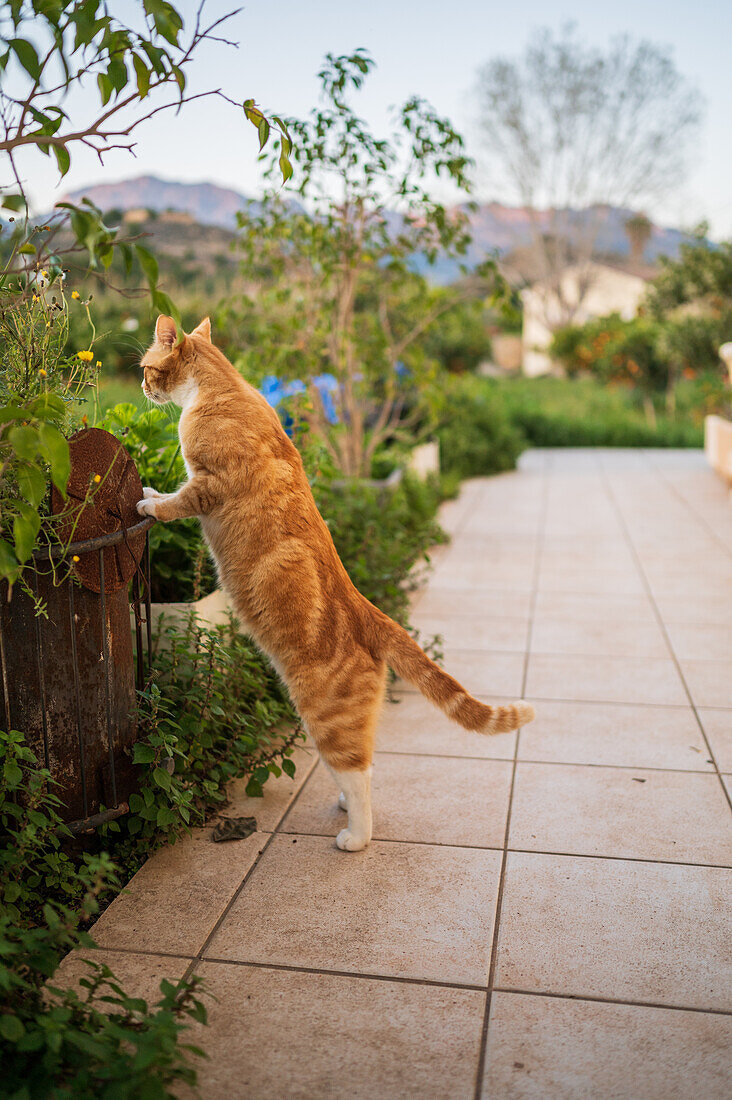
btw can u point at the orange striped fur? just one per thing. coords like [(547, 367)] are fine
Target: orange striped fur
[(276, 559)]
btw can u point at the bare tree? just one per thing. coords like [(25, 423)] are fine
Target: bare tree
[(570, 129)]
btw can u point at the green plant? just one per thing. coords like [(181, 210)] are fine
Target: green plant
[(476, 437), (181, 567), (56, 1042), (42, 388), (334, 287), (582, 412), (215, 711)]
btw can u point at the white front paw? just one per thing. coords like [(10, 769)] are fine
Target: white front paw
[(147, 492), (147, 507), (348, 842)]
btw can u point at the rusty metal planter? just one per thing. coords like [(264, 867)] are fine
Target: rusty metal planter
[(68, 682)]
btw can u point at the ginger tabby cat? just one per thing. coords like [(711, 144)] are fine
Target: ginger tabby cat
[(277, 562)]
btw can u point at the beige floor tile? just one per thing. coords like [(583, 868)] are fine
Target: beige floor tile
[(481, 672), (276, 1033), (278, 793), (476, 631), (653, 932), (605, 637), (710, 682), (139, 975), (412, 724), (474, 570), (718, 728), (541, 1047), (398, 910), (175, 899), (701, 641), (621, 582), (626, 736), (605, 679), (484, 603), (584, 607), (418, 798), (693, 609), (621, 812)]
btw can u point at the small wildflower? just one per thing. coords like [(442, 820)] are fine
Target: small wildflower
[(99, 362), (97, 478), (43, 372), (85, 420), (85, 356), (75, 294), (35, 298), (75, 558), (46, 228), (44, 274)]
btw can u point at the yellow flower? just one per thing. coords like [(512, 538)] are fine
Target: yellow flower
[(44, 274), (99, 362), (36, 298), (75, 294), (43, 372), (97, 478), (75, 558), (85, 420), (85, 356)]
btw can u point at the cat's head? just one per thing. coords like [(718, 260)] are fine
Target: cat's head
[(169, 366)]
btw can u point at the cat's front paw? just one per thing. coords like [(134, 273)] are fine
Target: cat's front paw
[(147, 507), (349, 842), (149, 493)]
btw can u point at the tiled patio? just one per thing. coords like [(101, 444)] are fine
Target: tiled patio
[(541, 915)]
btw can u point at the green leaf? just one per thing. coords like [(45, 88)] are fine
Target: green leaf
[(162, 778), (14, 202), (25, 530), (11, 1028), (63, 159), (27, 249), (13, 774), (9, 568), (143, 754), (149, 265), (24, 442), (288, 767), (143, 75), (31, 483), (56, 450), (263, 129), (166, 305), (26, 53)]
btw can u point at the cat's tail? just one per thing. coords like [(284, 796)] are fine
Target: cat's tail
[(409, 661)]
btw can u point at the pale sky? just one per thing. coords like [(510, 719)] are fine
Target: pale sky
[(427, 48)]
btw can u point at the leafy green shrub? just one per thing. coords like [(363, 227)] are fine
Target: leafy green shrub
[(477, 438), (216, 711), (56, 1042), (554, 412), (181, 567)]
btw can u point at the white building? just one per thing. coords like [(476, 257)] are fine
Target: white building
[(606, 290)]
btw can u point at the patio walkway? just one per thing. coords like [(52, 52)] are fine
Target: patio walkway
[(541, 915)]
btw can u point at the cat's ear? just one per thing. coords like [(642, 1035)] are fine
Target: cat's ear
[(165, 331), (204, 329)]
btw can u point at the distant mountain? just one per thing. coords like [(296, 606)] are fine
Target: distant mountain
[(207, 203), (496, 227)]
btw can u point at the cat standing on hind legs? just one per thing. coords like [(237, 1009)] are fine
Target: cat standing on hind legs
[(276, 559)]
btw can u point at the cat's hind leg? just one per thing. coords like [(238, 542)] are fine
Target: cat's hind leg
[(356, 787)]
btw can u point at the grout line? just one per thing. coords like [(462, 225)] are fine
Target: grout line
[(302, 834), (662, 624), (543, 509), (234, 897), (399, 979), (613, 1001), (553, 763)]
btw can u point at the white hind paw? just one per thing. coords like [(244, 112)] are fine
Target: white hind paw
[(342, 801), (347, 842)]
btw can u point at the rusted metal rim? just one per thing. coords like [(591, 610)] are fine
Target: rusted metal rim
[(101, 542)]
